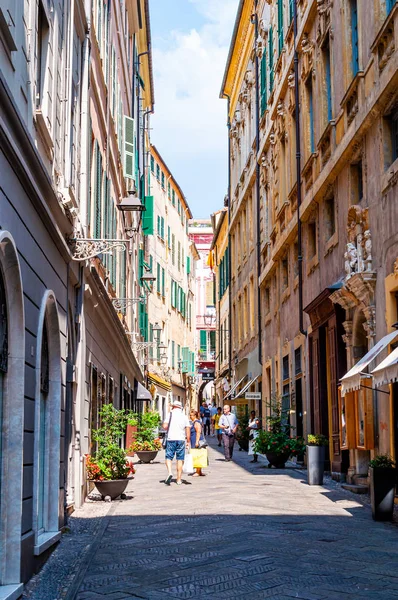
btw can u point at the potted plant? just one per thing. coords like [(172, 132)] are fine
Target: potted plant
[(146, 443), (242, 434), (275, 439), (316, 444), (383, 479), (109, 468)]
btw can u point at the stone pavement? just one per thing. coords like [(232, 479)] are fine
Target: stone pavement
[(242, 532)]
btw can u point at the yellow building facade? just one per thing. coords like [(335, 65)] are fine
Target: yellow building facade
[(325, 210)]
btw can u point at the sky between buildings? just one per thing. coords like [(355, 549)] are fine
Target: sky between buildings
[(190, 41)]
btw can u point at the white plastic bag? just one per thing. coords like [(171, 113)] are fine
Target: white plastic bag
[(187, 467)]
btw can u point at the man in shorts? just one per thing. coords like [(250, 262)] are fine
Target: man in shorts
[(178, 436)]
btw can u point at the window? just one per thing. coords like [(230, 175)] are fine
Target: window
[(263, 83), (389, 5), (158, 281), (152, 164), (312, 249), (158, 172), (163, 283), (173, 197), (179, 256), (168, 190), (297, 361), (285, 367), (168, 237), (271, 59), (330, 218), (354, 37), (173, 249), (43, 39), (267, 306), (291, 10), (173, 355), (285, 272), (212, 340), (390, 138), (327, 79), (203, 343), (356, 182), (129, 148), (295, 259), (310, 106), (163, 181), (280, 26)]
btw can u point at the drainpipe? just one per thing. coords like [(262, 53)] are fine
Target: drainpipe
[(86, 134), (298, 168), (229, 244), (260, 337)]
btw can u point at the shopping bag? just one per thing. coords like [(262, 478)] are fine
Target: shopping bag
[(188, 467), (199, 457)]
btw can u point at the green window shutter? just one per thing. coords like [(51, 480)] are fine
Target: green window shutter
[(179, 206), (203, 341), (98, 195), (173, 197), (151, 340), (147, 218), (179, 255), (163, 283), (158, 279), (129, 147), (162, 228), (188, 265), (263, 82), (173, 248), (280, 26), (168, 237), (140, 264), (185, 360), (173, 355), (152, 164), (157, 172), (182, 257), (271, 59), (168, 190), (158, 225), (92, 164), (163, 181)]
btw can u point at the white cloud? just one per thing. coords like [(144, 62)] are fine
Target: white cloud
[(190, 119)]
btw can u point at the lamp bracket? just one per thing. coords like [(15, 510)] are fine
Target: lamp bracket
[(138, 346), (86, 248), (122, 303)]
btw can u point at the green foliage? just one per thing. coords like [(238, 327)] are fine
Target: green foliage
[(382, 461), (317, 440), (242, 435), (110, 461), (276, 437), (146, 437)]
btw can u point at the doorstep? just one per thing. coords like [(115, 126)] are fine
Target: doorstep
[(11, 592), (355, 488)]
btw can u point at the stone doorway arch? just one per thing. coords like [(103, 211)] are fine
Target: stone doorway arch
[(12, 416), (46, 481)]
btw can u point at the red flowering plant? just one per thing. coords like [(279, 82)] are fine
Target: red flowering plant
[(276, 436), (110, 460), (146, 438)]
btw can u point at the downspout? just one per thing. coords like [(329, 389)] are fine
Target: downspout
[(86, 134), (229, 244), (259, 320), (298, 175)]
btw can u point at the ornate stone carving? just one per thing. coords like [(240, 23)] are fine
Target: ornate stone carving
[(347, 337), (323, 7), (396, 267), (352, 106), (370, 325), (260, 46), (386, 46), (358, 255), (307, 49), (249, 78)]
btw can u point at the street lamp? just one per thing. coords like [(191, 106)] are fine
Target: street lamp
[(163, 359), (130, 204), (148, 277), (157, 328)]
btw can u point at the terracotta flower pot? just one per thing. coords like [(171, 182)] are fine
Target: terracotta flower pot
[(112, 487)]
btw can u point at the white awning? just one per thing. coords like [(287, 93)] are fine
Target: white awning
[(246, 387), (143, 394), (352, 379), (233, 388), (387, 370)]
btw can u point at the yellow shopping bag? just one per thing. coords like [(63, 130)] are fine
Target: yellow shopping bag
[(199, 457)]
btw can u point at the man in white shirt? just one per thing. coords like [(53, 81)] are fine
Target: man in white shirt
[(178, 435), (229, 424)]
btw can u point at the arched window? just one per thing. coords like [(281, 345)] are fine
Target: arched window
[(43, 426)]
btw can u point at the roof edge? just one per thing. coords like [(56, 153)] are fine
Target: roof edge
[(232, 47)]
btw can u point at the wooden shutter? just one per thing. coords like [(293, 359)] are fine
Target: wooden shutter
[(129, 148), (354, 37), (147, 218), (188, 265), (203, 341)]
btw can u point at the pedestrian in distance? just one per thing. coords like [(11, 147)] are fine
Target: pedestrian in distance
[(178, 431), (213, 412), (216, 421), (229, 424), (196, 436), (253, 428), (206, 420), (202, 410)]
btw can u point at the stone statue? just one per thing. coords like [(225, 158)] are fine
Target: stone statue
[(347, 265), (368, 250), (360, 260), (352, 257)]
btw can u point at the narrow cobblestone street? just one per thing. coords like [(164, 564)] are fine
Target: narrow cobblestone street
[(242, 531)]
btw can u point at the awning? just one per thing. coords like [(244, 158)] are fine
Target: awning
[(246, 387), (387, 370), (159, 381), (143, 395), (233, 388), (352, 379)]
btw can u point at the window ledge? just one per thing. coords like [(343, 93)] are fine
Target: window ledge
[(45, 541), (44, 132), (11, 592), (390, 177), (331, 243), (312, 264)]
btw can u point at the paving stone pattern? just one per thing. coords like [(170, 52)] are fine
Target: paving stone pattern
[(242, 532)]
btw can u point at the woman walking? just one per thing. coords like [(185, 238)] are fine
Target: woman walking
[(253, 427), (196, 435)]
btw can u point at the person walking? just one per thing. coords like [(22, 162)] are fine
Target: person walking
[(196, 435), (253, 428), (216, 421), (178, 435), (206, 420), (213, 412), (229, 424)]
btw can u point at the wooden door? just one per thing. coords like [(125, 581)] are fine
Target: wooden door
[(333, 396)]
